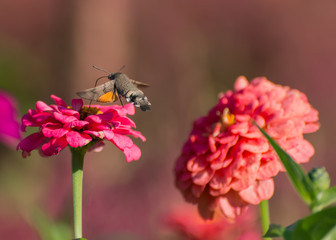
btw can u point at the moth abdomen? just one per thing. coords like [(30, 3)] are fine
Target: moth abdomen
[(139, 99)]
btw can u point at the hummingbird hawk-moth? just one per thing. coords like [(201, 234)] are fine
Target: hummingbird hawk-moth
[(119, 85)]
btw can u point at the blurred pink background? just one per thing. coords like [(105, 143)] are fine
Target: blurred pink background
[(188, 52)]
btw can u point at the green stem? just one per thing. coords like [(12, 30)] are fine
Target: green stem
[(77, 187), (265, 218)]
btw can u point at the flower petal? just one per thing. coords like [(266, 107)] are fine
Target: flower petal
[(77, 124), (221, 180), (53, 130), (109, 134), (100, 118), (34, 119), (68, 112), (77, 104), (124, 121), (132, 132), (202, 177), (42, 107), (232, 205), (196, 164), (122, 141), (127, 109), (59, 101), (54, 146), (31, 142), (64, 118), (258, 145), (261, 190), (76, 139), (132, 154), (300, 149), (240, 83)]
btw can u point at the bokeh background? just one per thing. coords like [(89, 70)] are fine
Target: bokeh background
[(188, 51)]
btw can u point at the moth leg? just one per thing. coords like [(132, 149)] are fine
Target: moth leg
[(116, 92), (120, 100)]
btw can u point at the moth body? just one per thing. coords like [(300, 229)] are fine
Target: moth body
[(119, 85)]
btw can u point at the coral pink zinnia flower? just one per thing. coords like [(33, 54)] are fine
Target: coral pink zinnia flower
[(77, 125), (189, 225), (226, 163)]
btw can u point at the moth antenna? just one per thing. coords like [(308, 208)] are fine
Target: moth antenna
[(122, 68), (101, 69)]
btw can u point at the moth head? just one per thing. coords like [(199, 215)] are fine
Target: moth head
[(112, 76)]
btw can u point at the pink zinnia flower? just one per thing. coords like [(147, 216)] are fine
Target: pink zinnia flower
[(9, 127), (77, 125), (189, 225), (226, 163)]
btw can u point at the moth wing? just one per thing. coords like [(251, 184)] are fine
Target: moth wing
[(108, 97), (97, 92), (139, 84)]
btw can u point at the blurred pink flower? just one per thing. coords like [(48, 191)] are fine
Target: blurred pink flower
[(189, 225), (226, 163), (77, 125), (9, 127)]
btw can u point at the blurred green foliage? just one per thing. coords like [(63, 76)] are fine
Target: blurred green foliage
[(48, 229), (22, 74)]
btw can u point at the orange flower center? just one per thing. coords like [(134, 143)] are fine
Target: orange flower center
[(226, 119)]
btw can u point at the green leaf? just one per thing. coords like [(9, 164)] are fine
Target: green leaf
[(318, 226), (80, 239), (275, 230), (299, 179), (325, 198)]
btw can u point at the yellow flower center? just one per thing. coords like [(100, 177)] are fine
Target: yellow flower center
[(87, 111)]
